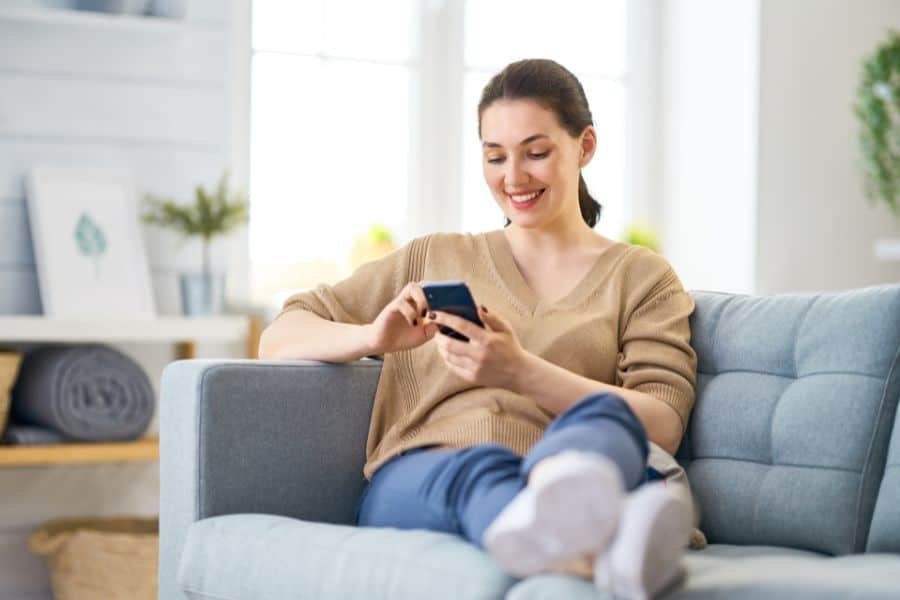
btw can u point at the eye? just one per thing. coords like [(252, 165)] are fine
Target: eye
[(494, 161), (539, 156)]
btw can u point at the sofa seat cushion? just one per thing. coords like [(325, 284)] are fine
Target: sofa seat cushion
[(268, 557), (738, 572)]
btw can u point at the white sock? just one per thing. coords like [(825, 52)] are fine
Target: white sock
[(570, 506), (644, 556)]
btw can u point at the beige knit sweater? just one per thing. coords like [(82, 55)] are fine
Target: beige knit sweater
[(625, 323)]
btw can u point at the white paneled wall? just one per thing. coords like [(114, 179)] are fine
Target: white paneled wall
[(164, 99)]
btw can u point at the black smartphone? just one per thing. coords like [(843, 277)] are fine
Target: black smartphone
[(455, 298)]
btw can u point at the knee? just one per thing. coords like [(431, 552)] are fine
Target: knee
[(604, 405)]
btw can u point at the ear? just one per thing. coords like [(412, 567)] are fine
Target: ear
[(588, 145)]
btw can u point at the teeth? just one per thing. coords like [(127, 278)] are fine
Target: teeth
[(526, 198)]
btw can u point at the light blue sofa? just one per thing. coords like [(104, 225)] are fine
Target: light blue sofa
[(792, 451)]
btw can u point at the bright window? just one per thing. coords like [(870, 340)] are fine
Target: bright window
[(338, 94)]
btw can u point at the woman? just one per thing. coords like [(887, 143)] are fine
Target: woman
[(532, 439)]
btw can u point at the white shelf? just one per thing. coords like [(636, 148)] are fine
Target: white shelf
[(162, 329), (98, 20)]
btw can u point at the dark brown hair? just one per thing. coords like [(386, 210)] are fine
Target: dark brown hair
[(554, 87)]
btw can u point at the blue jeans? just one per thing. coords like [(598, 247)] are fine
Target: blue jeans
[(462, 491)]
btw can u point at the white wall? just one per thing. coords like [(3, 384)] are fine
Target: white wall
[(172, 105), (760, 179), (708, 141), (816, 229)]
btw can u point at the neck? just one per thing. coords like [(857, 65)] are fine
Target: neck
[(558, 238)]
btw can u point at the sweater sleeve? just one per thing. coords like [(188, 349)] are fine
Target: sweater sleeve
[(359, 298), (655, 356)]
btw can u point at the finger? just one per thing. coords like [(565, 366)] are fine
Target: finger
[(494, 321), (418, 295), (408, 312), (462, 363), (456, 347), (463, 326)]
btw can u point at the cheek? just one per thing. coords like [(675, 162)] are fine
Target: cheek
[(491, 175)]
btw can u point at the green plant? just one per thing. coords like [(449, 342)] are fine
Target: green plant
[(641, 234), (380, 234), (878, 111), (211, 214)]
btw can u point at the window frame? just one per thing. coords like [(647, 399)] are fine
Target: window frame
[(435, 169)]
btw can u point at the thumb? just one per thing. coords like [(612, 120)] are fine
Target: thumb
[(494, 321)]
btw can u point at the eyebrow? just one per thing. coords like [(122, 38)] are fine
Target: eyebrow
[(530, 138)]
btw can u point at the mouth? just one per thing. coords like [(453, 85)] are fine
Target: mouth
[(526, 201)]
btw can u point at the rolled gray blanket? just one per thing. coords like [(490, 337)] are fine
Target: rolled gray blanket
[(24, 435), (85, 392)]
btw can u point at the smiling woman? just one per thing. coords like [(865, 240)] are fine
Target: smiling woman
[(537, 437)]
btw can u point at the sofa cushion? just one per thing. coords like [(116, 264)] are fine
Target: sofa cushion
[(796, 397), (267, 557), (751, 572)]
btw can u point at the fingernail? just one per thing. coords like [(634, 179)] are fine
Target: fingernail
[(431, 315)]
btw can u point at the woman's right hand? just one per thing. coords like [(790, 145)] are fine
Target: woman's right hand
[(400, 325)]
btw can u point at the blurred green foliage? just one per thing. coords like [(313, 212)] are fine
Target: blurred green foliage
[(878, 111)]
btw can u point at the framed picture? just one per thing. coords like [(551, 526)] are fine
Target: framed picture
[(88, 248)]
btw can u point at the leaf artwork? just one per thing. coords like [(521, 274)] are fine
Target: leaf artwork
[(91, 241)]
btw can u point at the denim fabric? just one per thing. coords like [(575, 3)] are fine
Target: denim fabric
[(462, 491)]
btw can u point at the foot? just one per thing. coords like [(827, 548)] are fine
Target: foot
[(569, 508), (644, 556)]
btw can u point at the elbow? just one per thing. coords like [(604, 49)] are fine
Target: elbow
[(670, 438), (265, 350)]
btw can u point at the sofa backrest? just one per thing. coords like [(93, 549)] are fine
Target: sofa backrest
[(796, 399), (884, 536)]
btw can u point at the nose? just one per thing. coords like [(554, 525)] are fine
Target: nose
[(514, 175)]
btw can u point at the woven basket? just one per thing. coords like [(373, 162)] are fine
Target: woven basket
[(9, 370), (114, 558)]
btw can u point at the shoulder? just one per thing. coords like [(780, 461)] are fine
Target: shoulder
[(443, 243), (642, 262), (645, 274)]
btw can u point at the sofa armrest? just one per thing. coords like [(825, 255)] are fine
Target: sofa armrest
[(251, 436)]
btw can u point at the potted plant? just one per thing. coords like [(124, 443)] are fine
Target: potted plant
[(212, 214), (639, 233), (878, 111), (371, 245)]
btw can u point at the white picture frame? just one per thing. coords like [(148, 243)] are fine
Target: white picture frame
[(88, 249)]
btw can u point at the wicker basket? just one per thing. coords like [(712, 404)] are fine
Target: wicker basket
[(91, 558)]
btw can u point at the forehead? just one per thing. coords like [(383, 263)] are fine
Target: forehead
[(508, 122)]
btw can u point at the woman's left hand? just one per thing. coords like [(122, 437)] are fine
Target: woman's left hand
[(493, 355)]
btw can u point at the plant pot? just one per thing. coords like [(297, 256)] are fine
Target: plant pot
[(170, 9), (128, 7), (201, 295)]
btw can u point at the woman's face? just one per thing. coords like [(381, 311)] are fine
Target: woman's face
[(531, 164)]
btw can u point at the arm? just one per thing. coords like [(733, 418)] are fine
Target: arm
[(657, 367), (332, 323), (556, 388), (301, 334)]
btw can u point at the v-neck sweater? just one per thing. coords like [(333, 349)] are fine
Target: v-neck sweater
[(624, 323)]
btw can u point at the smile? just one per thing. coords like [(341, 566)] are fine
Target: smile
[(523, 201)]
